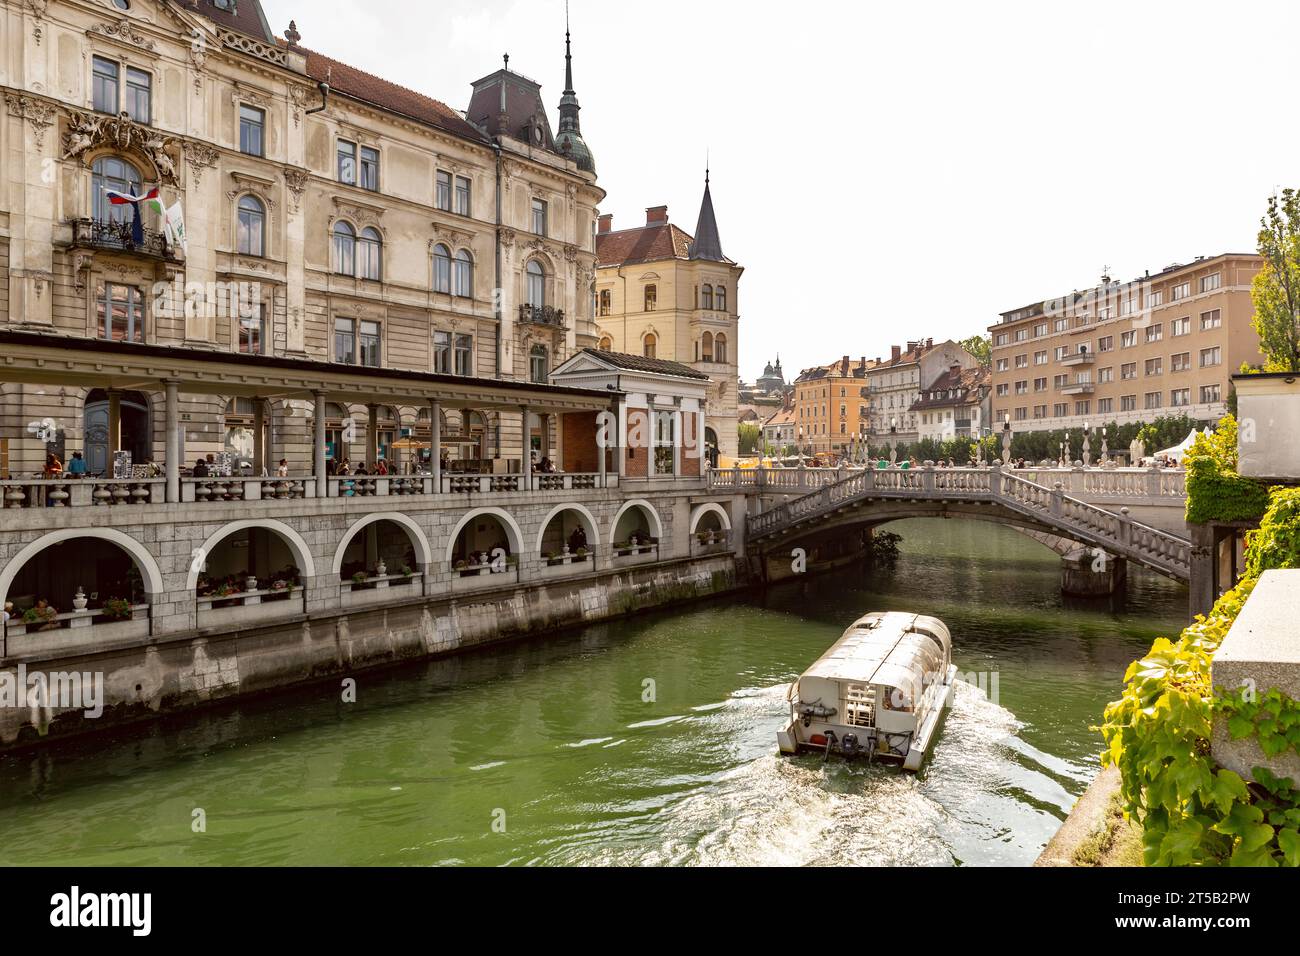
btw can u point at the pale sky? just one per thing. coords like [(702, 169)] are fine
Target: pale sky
[(889, 171)]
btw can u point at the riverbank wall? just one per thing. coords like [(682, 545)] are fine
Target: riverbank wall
[(142, 681)]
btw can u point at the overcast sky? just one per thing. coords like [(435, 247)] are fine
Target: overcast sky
[(887, 171)]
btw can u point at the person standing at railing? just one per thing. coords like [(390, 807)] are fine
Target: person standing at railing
[(282, 471), (77, 467)]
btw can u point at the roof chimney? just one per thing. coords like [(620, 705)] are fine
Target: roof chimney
[(896, 352), (956, 370), (606, 223), (655, 215)]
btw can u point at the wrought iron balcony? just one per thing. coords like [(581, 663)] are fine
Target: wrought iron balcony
[(103, 234), (542, 315)]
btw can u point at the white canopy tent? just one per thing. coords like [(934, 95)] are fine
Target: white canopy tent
[(1179, 452)]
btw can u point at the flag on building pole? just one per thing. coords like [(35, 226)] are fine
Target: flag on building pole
[(174, 225), (152, 199)]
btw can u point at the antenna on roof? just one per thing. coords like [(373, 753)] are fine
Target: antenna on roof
[(506, 59)]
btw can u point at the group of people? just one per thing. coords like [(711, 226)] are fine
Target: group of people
[(54, 467), (344, 468)]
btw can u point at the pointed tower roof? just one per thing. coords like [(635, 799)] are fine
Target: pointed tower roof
[(569, 140), (707, 244)]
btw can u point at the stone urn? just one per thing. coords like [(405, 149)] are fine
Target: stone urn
[(79, 600), (250, 585), (381, 569)]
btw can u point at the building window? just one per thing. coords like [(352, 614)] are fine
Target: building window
[(1062, 351), (345, 249), (462, 196), (651, 298), (370, 344), (706, 297), (1060, 381), (252, 131), (369, 169), (1128, 339), (252, 332), (536, 284), (1081, 408), (443, 198), (1181, 291), (1060, 410), (1106, 343), (441, 269), (345, 342), (1154, 299), (1128, 403), (465, 355), (538, 368), (606, 344), (1061, 325), (1154, 400), (1105, 375), (1180, 362), (1210, 394), (1155, 366), (1211, 320), (720, 295), (356, 342), (1040, 384), (1040, 330), (464, 286), (539, 217), (442, 353), (1003, 365), (603, 302), (106, 75), (1210, 283), (1181, 326), (648, 345), (1155, 332), (1105, 406), (347, 153), (1180, 397), (250, 232), (720, 349), (1000, 339), (110, 173), (706, 347), (120, 312), (1022, 361), (370, 253), (1211, 357), (1127, 371)]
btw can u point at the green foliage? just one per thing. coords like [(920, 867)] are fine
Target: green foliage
[(980, 346), (1276, 289), (1215, 492), (750, 437), (884, 548), (1158, 733)]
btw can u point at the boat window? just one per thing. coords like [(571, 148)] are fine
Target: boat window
[(859, 706)]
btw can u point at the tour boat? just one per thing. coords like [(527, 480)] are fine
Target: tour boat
[(880, 691)]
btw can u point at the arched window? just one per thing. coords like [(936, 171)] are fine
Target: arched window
[(606, 344), (538, 367), (536, 284), (345, 249), (465, 274), (706, 297), (441, 269), (370, 250), (250, 230), (720, 348), (648, 345), (720, 298), (119, 176), (706, 347)]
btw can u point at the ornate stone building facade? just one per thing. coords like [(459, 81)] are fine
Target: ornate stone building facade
[(663, 293), (329, 216)]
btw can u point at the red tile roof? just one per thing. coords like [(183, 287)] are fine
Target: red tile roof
[(369, 88), (644, 244)]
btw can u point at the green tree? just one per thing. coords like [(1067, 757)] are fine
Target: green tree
[(750, 435), (1276, 290), (980, 346)]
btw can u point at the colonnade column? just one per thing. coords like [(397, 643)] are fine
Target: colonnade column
[(259, 437), (318, 447), (114, 425), (435, 444), (172, 442), (528, 447), (372, 437)]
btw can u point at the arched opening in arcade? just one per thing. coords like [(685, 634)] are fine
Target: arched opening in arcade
[(569, 538), (74, 582), (249, 562), (486, 543), (382, 553), (636, 531)]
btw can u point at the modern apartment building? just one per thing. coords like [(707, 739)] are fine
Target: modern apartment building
[(1165, 344)]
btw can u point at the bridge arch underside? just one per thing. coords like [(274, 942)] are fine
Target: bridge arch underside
[(854, 519)]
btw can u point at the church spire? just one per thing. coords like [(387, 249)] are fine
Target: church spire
[(707, 244), (569, 140)]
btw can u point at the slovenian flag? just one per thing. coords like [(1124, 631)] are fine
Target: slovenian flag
[(153, 198)]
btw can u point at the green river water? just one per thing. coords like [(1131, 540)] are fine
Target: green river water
[(546, 753)]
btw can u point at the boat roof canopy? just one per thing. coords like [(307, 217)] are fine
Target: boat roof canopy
[(892, 649)]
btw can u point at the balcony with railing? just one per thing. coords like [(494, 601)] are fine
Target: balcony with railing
[(546, 315), (121, 237)]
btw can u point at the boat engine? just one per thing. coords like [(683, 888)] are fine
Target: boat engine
[(849, 745), (816, 710)]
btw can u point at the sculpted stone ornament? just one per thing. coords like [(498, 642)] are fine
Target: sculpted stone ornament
[(296, 180), (39, 115), (123, 30), (85, 132), (199, 156)]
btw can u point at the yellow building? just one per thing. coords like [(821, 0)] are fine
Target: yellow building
[(332, 217), (663, 293), (831, 406)]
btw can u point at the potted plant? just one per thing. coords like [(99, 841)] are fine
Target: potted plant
[(360, 578), (580, 555), (406, 572), (118, 609), (462, 565)]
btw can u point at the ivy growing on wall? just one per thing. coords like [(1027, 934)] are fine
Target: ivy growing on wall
[(1158, 733), (1215, 492)]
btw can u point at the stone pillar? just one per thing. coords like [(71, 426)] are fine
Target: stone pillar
[(602, 461), (435, 444), (547, 451), (528, 448), (318, 446), (1203, 592), (1092, 572), (172, 442), (259, 436), (372, 436)]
